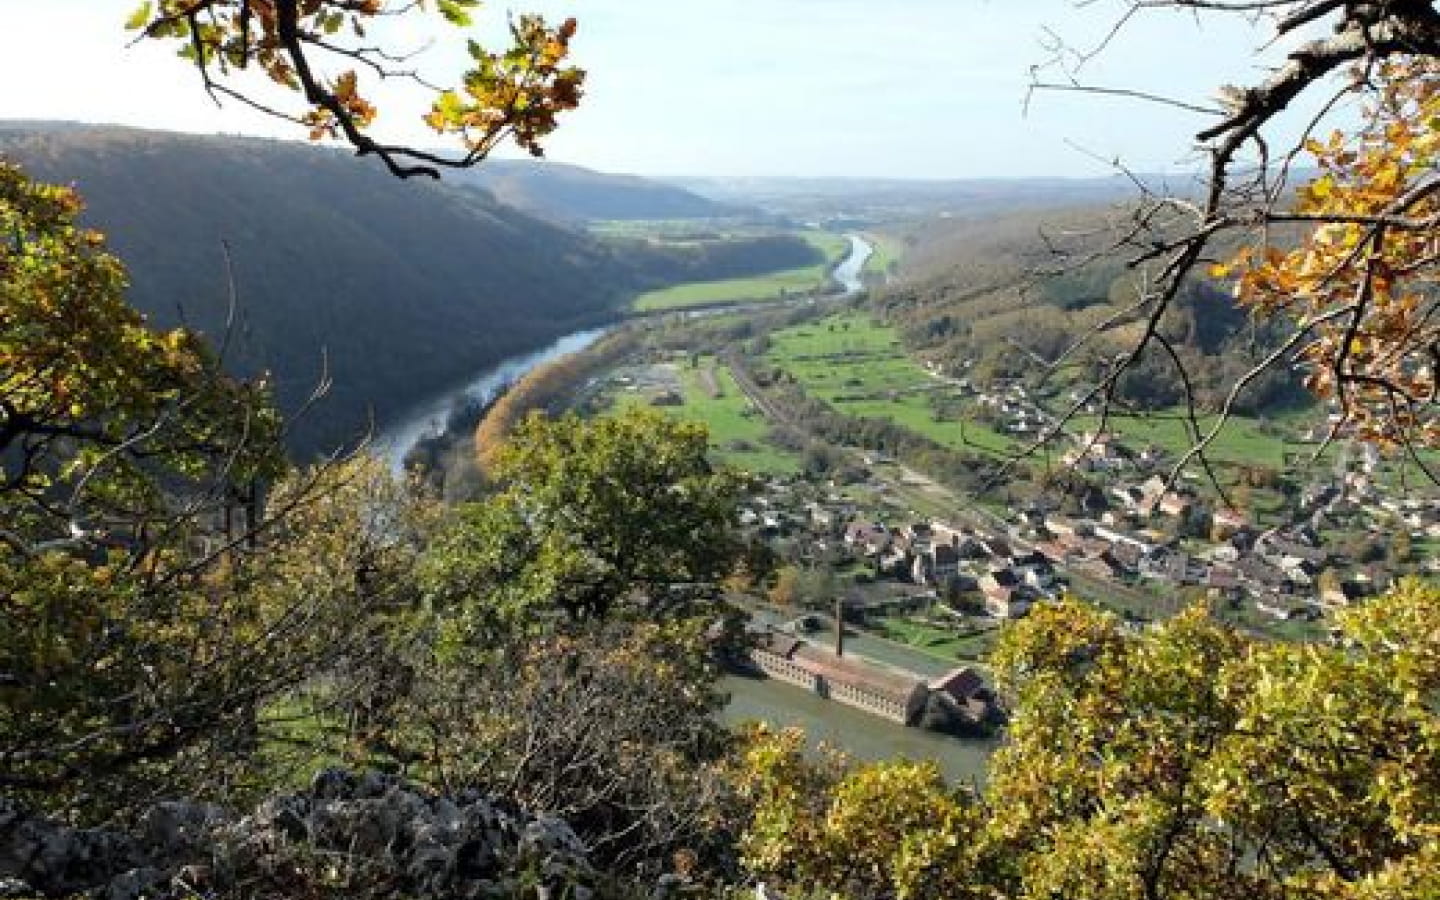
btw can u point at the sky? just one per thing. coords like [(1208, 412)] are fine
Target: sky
[(901, 88)]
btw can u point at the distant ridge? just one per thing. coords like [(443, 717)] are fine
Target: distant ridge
[(397, 289), (964, 197), (574, 194)]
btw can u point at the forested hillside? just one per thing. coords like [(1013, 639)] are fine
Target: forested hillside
[(572, 193), (394, 288), (997, 296)]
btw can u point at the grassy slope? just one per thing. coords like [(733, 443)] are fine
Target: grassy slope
[(1240, 442), (860, 368), (766, 287)]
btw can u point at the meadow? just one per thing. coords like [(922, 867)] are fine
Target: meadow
[(1243, 440), (859, 367), (739, 434), (776, 285), (887, 252)]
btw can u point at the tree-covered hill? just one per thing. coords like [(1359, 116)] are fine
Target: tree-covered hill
[(997, 294), (571, 193), (397, 288)]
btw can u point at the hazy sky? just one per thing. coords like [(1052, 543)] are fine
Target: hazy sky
[(912, 88)]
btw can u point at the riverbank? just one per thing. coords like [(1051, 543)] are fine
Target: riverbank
[(429, 418)]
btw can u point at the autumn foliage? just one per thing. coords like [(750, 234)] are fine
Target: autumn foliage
[(1361, 285), (516, 92)]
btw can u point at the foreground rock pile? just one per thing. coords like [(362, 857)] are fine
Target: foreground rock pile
[(348, 835)]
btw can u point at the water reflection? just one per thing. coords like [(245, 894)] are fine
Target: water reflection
[(859, 734)]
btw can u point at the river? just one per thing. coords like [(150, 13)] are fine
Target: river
[(429, 418), (862, 735), (859, 734), (847, 273)]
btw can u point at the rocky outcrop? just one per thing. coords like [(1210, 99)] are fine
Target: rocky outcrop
[(348, 836)]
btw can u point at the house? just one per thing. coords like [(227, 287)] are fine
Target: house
[(1130, 496), (1259, 575), (1175, 504), (1116, 536), (1173, 567), (1224, 553), (936, 566), (1054, 550), (1224, 583), (869, 538), (1005, 596), (895, 560), (996, 548), (1008, 603), (1095, 452), (1291, 553), (1062, 527), (968, 690), (1338, 595), (919, 533), (1124, 557), (1151, 493), (970, 548), (821, 517), (1225, 522)]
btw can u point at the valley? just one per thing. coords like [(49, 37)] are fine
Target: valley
[(845, 418)]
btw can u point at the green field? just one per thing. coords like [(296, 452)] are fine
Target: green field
[(1241, 441), (738, 434), (860, 368), (937, 642), (888, 251), (763, 287)]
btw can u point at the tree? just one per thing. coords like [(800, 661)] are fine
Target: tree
[(885, 829), (612, 726), (163, 577), (1402, 548), (621, 510), (91, 397), (516, 93), (786, 589), (1354, 291), (561, 651), (1191, 761)]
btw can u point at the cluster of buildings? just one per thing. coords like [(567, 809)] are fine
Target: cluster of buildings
[(1008, 404), (1133, 530), (1009, 576), (889, 693)]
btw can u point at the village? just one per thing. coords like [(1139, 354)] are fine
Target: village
[(1149, 548), (1273, 542)]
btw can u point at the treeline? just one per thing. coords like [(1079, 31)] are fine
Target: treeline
[(572, 193), (548, 387)]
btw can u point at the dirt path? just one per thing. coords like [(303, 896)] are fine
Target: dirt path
[(708, 383)]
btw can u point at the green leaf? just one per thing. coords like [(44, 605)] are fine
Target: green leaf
[(454, 12), (140, 17)]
